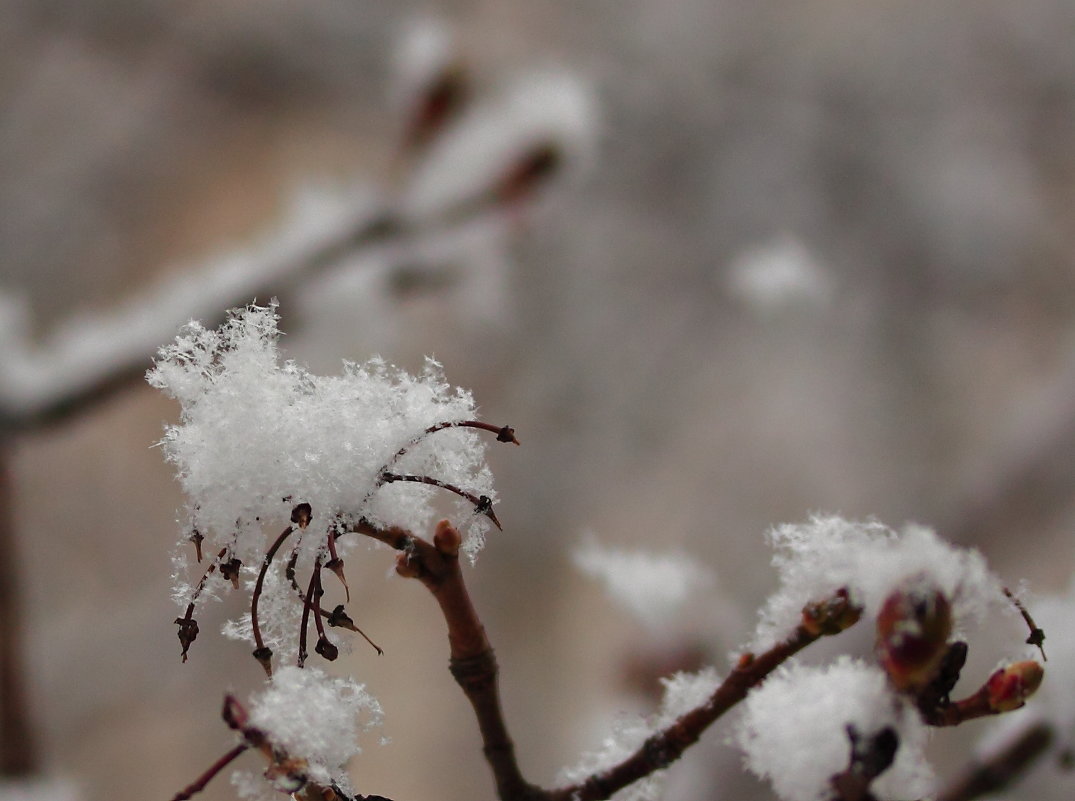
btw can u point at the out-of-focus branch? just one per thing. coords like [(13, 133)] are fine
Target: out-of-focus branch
[(18, 755), (997, 771)]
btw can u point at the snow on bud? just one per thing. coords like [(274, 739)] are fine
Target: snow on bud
[(794, 729), (315, 720), (1009, 687), (870, 560), (913, 627)]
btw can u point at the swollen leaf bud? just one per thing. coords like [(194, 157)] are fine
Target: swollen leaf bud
[(913, 627), (1009, 687)]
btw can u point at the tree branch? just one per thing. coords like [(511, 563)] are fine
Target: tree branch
[(18, 755), (474, 667)]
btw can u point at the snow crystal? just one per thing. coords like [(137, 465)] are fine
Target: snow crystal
[(259, 435), (793, 730), (315, 717), (816, 558), (682, 693), (652, 586)]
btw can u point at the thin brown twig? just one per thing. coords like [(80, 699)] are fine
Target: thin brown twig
[(483, 505), (199, 784), (666, 746), (306, 606), (261, 653)]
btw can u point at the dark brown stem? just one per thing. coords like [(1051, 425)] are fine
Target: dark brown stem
[(482, 504), (1037, 635), (261, 653), (199, 784), (18, 754), (999, 770), (473, 663), (306, 607)]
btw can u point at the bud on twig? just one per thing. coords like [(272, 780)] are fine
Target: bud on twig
[(831, 616), (913, 627), (1009, 687)]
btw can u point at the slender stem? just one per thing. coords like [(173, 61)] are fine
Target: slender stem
[(482, 504), (199, 784), (307, 605), (18, 753), (473, 663), (262, 654)]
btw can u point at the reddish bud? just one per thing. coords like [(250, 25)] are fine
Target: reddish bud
[(1009, 687), (913, 627), (831, 616)]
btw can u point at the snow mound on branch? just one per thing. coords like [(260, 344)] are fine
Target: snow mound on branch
[(794, 730), (259, 435), (315, 717), (825, 554)]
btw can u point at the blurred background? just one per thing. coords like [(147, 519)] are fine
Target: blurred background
[(794, 258)]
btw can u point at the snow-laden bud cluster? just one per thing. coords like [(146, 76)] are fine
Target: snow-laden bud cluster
[(259, 435), (794, 730), (871, 561), (316, 721)]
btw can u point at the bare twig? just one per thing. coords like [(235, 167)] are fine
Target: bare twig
[(199, 784), (261, 652)]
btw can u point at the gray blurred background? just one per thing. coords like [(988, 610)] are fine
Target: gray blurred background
[(910, 166)]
